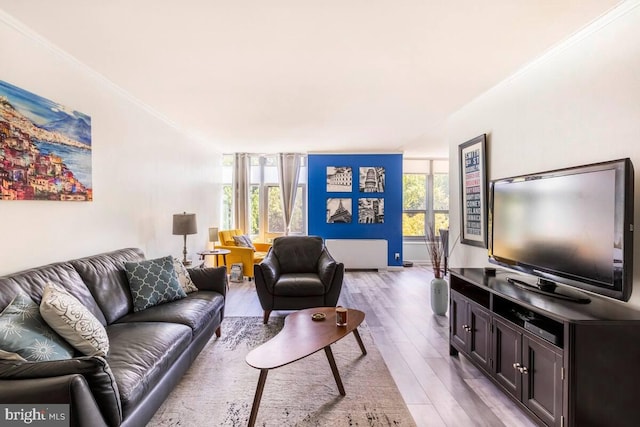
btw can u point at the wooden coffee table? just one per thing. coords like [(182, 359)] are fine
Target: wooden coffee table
[(301, 337)]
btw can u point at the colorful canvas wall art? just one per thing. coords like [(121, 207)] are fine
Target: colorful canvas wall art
[(45, 148)]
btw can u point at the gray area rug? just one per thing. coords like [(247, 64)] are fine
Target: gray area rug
[(218, 389)]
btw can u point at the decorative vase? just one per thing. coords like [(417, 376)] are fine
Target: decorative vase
[(439, 296)]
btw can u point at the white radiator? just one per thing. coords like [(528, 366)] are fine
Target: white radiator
[(359, 253)]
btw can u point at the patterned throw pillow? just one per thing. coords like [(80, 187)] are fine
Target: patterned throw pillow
[(153, 282), (71, 319), (24, 335), (244, 241), (183, 277)]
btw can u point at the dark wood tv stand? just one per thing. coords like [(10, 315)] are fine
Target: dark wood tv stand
[(565, 364)]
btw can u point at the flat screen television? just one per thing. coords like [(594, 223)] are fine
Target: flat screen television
[(571, 227)]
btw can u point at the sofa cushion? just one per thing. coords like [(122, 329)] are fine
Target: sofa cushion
[(105, 277), (298, 254), (184, 279), (298, 285), (141, 354), (69, 318), (24, 334), (226, 237), (195, 311), (210, 279), (258, 256), (153, 282), (33, 281)]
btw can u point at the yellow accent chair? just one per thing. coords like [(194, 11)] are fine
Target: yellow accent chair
[(247, 256)]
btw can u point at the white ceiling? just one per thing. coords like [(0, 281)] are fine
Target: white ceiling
[(302, 75)]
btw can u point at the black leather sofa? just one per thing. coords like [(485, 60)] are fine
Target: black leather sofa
[(149, 352), (298, 272)]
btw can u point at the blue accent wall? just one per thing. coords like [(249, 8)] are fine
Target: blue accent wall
[(390, 229)]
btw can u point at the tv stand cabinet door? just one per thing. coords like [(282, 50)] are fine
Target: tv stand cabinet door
[(507, 344), (543, 384), (459, 323), (480, 339)]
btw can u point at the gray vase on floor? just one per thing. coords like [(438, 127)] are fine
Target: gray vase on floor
[(439, 296)]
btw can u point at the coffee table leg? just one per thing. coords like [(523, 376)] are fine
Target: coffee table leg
[(258, 397), (334, 369), (360, 343)]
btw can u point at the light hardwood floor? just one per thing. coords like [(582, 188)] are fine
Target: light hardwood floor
[(439, 390)]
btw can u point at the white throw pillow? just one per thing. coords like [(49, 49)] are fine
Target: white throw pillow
[(244, 241), (73, 321), (183, 277)]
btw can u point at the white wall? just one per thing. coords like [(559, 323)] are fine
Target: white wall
[(577, 105), (144, 169)]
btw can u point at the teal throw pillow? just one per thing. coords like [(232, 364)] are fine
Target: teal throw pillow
[(24, 335), (153, 282)]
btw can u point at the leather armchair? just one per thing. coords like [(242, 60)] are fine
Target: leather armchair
[(247, 256), (298, 273)]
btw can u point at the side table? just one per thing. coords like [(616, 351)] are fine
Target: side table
[(217, 253)]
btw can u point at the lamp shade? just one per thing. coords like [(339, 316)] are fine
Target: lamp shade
[(184, 223), (213, 234)]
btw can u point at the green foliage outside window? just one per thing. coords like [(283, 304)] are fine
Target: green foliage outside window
[(415, 192), (413, 224), (441, 192), (275, 220), (254, 209), (441, 222), (416, 203), (227, 202)]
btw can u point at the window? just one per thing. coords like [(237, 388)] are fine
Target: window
[(425, 197), (414, 205), (265, 203), (275, 216), (441, 201)]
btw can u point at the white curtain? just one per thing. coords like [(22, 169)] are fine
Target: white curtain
[(289, 170), (241, 192)]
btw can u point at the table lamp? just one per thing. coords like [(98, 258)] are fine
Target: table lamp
[(183, 224), (213, 236)]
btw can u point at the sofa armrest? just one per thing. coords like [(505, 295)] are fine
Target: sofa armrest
[(267, 272), (238, 254), (326, 268), (331, 274), (95, 371), (262, 247), (210, 279), (236, 249), (72, 390)]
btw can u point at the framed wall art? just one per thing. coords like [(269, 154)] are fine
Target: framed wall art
[(371, 179), (339, 210), (473, 192), (339, 179), (370, 211)]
